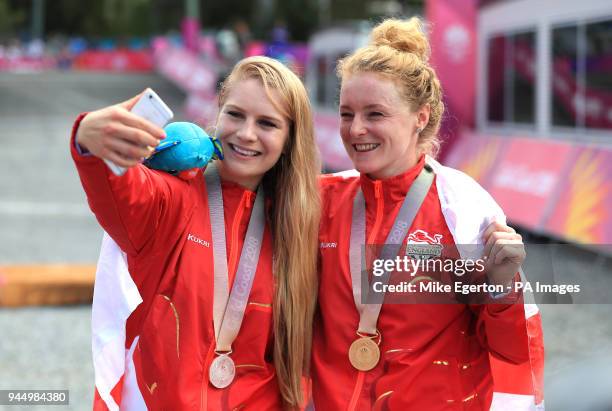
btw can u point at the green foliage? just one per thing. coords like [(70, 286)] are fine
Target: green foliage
[(10, 19), (122, 18), (223, 13), (349, 9), (99, 18), (301, 17)]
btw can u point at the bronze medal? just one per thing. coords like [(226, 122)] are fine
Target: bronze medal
[(364, 354), (229, 306), (222, 371)]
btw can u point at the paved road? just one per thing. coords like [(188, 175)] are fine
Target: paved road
[(44, 219), (43, 215)]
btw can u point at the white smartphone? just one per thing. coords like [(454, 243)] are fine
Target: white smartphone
[(150, 107)]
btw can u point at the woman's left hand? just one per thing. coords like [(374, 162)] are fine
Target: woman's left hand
[(504, 252)]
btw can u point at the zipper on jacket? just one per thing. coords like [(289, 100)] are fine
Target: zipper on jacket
[(371, 240), (204, 389), (245, 202), (379, 211)]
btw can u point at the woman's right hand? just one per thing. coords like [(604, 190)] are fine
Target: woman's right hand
[(115, 134)]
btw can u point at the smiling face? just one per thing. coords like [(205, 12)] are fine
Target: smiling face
[(253, 132), (377, 126)]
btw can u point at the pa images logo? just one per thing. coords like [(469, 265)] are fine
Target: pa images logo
[(422, 246)]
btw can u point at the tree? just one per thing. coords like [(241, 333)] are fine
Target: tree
[(301, 17), (10, 19), (100, 18)]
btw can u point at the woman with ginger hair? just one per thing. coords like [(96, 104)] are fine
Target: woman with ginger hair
[(162, 336), (370, 355)]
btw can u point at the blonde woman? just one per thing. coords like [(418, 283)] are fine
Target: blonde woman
[(370, 355), (217, 307)]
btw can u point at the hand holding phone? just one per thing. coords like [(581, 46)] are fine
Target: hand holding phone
[(116, 134), (152, 108)]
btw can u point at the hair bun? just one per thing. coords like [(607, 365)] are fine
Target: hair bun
[(403, 35)]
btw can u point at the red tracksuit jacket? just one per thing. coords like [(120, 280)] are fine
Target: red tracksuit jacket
[(433, 357), (162, 223)]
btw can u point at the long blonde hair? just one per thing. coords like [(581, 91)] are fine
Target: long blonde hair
[(294, 219), (399, 50)]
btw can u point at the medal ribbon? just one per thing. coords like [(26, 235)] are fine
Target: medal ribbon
[(369, 312), (228, 309)]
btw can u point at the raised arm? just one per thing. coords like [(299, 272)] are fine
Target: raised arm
[(129, 207)]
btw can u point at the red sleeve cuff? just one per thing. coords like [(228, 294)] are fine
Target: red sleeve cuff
[(75, 149)]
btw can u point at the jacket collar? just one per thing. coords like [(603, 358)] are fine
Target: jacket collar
[(393, 189), (233, 193)]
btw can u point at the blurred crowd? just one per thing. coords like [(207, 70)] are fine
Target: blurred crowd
[(58, 51), (221, 47)]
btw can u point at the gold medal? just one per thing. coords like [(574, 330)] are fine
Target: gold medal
[(222, 371), (364, 353)]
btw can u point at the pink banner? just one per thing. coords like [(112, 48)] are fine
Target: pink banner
[(190, 29), (550, 187), (185, 69), (583, 212), (202, 109), (26, 64), (477, 156), (115, 60), (454, 46), (526, 178)]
